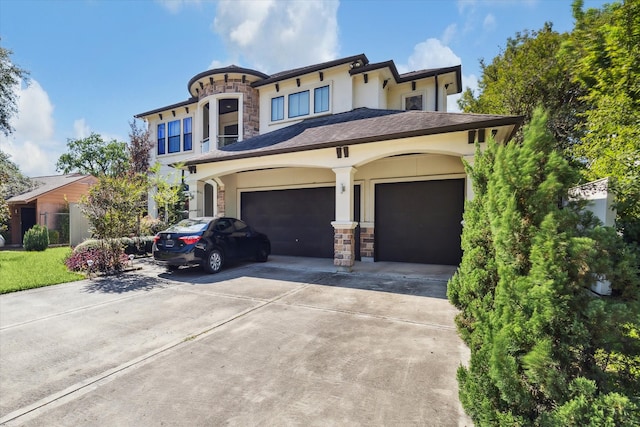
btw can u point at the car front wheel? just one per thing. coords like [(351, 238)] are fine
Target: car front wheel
[(263, 254), (213, 262)]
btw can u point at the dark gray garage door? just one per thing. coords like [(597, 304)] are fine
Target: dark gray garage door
[(298, 222), (419, 221)]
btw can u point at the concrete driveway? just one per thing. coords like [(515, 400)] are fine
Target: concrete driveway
[(288, 342)]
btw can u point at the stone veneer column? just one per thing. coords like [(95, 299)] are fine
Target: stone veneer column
[(220, 201), (367, 239), (343, 245)]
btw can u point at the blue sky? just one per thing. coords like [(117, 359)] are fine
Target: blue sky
[(94, 64)]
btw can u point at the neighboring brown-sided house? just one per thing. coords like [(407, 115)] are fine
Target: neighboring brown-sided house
[(47, 204)]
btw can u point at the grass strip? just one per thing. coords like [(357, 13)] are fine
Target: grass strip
[(21, 270)]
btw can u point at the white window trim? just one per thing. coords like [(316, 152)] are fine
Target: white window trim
[(311, 88), (412, 94), (166, 121), (213, 115)]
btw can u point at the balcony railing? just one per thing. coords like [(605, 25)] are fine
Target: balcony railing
[(224, 140)]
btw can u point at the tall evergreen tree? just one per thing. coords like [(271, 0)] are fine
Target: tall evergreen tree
[(543, 345)]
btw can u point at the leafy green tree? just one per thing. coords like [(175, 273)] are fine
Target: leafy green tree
[(604, 49), (12, 183), (114, 206), (94, 156), (10, 76), (543, 350), (169, 196), (529, 72)]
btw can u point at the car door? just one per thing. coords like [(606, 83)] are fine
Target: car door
[(243, 239), (223, 234)]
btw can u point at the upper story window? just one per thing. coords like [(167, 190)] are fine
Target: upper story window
[(171, 140), (321, 99), (299, 104), (413, 102), (174, 136), (161, 140), (309, 102), (277, 108), (187, 142)]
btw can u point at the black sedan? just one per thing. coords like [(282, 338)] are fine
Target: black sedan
[(209, 242)]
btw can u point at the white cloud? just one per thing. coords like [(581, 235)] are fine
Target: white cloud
[(431, 53), (81, 129), (489, 23), (174, 6), (34, 119), (449, 33), (32, 146), (276, 35)]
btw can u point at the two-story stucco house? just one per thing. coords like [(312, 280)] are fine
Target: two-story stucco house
[(345, 159)]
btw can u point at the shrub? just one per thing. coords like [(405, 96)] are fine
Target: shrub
[(132, 245), (138, 245), (87, 244), (54, 237), (150, 226), (36, 238), (105, 256)]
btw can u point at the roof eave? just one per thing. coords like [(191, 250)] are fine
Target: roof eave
[(515, 121), (189, 101), (312, 69)]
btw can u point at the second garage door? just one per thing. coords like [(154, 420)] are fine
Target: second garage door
[(419, 221), (297, 221)]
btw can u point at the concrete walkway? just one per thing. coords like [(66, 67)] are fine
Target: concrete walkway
[(288, 342)]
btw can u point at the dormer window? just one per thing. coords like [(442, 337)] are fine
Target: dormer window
[(299, 104), (413, 102), (277, 108), (309, 102), (321, 99)]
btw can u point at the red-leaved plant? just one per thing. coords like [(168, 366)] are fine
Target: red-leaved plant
[(108, 257)]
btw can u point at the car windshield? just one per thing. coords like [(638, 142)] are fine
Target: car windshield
[(189, 226)]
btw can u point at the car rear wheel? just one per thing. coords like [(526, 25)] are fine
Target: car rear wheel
[(213, 261), (263, 254)]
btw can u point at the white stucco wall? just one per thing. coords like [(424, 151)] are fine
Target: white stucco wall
[(340, 95)]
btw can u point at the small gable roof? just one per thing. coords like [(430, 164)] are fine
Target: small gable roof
[(358, 126), (46, 184)]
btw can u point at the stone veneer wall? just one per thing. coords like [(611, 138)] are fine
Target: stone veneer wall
[(251, 102), (366, 242), (343, 247), (220, 201)]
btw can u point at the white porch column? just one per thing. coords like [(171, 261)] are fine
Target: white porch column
[(469, 195), (196, 198), (213, 124), (344, 193), (343, 226)]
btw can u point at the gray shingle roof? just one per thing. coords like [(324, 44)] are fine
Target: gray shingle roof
[(354, 127)]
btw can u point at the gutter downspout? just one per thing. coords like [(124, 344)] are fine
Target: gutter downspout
[(436, 92)]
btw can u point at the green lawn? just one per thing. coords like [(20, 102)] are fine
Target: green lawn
[(25, 270)]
